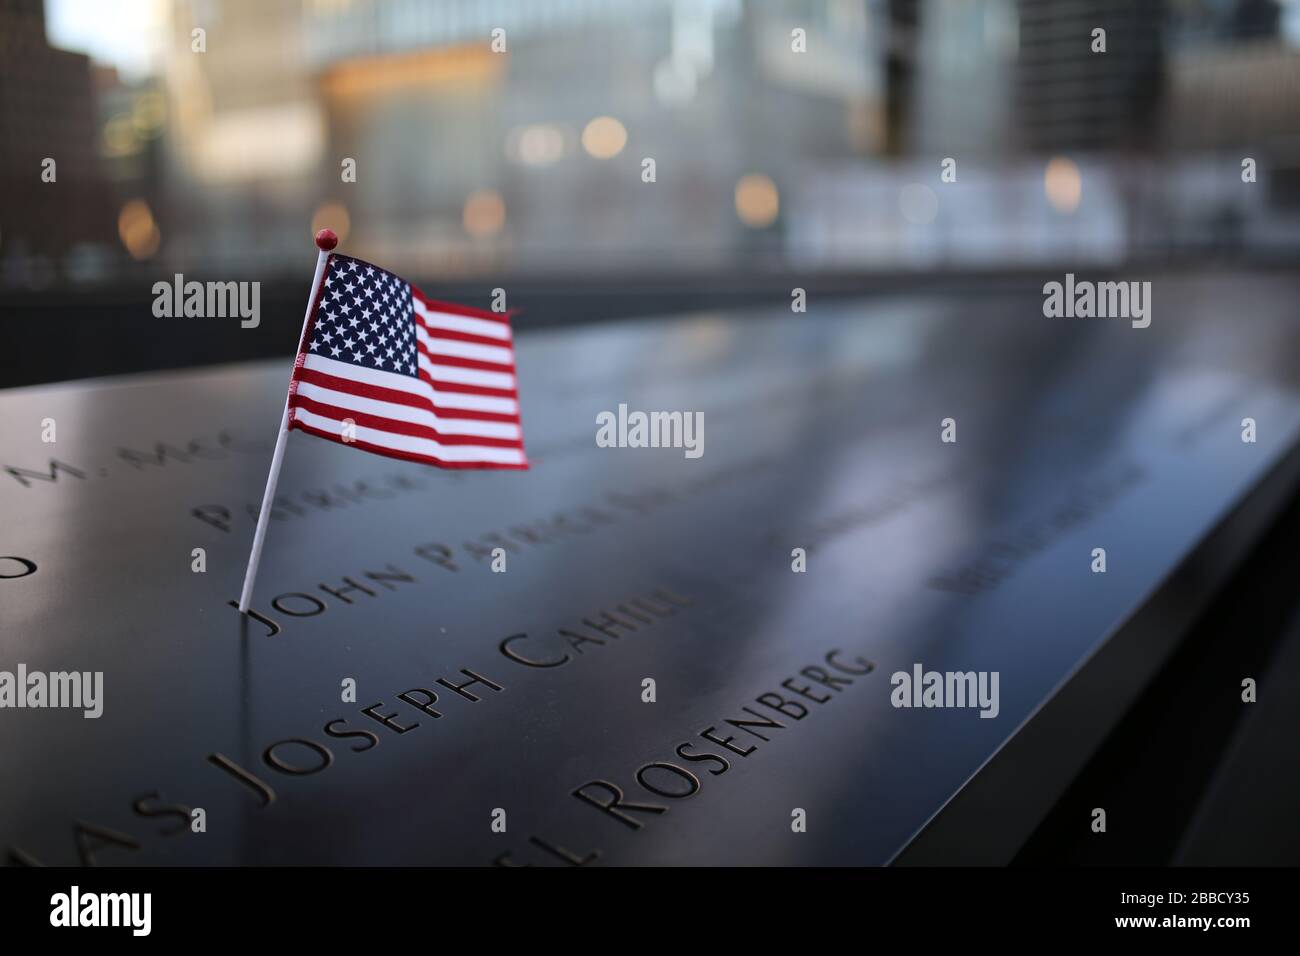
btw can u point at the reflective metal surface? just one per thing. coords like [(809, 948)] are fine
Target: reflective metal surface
[(821, 432)]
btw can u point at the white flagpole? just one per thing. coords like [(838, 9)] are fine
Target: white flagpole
[(326, 240)]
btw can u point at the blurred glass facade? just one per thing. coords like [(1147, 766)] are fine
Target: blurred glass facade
[(804, 135)]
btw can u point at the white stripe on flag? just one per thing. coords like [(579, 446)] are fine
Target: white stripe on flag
[(462, 323), (405, 413), (467, 376), (472, 403), (367, 376), (416, 386), (418, 446), (468, 350)]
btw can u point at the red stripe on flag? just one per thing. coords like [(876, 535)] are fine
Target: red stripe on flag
[(395, 427), (455, 361), (433, 305), (364, 389), (425, 391), (467, 389), (404, 455), (409, 399), (436, 333)]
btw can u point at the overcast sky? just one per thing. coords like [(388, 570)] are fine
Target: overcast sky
[(123, 33)]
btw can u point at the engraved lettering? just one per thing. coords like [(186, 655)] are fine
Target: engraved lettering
[(264, 792), (568, 856), (806, 691), (144, 807), (367, 735), (316, 603), (25, 476), (819, 675), (860, 666), (608, 625), (390, 573), (215, 515), (474, 679), (423, 705), (744, 725), (439, 554), (161, 453), (91, 839), (617, 805), (708, 734), (386, 719), (514, 655), (692, 781), (272, 628), (276, 762), (782, 706), (24, 567), (723, 764)]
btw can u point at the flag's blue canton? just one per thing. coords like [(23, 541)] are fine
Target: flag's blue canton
[(365, 318)]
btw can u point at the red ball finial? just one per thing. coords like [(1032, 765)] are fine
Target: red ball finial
[(326, 240)]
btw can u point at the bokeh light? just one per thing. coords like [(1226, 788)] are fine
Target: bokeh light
[(1063, 184), (604, 137), (137, 229), (485, 213), (757, 201), (918, 204), (332, 215)]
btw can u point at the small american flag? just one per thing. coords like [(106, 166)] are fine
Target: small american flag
[(384, 368)]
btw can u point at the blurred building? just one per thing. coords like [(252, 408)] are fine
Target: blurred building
[(470, 158), (453, 138), (1072, 96), (245, 133), (47, 112)]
